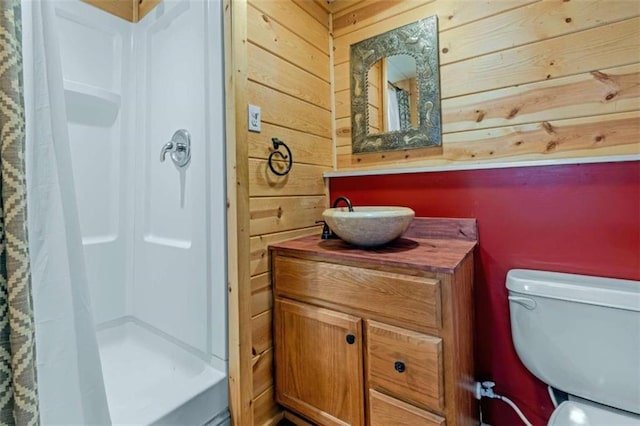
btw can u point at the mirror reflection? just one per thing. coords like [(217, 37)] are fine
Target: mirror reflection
[(393, 95)]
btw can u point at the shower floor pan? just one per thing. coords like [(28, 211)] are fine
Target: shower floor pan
[(151, 380)]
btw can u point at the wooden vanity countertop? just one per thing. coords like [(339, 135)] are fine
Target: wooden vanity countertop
[(430, 244)]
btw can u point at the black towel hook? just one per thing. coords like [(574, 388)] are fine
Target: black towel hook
[(277, 143)]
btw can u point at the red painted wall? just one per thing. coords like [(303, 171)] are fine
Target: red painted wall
[(582, 219)]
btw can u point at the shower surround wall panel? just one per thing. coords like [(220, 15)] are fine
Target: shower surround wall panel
[(171, 218), (153, 234), (94, 48)]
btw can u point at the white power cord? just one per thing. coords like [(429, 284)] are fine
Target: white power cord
[(552, 396), (485, 389)]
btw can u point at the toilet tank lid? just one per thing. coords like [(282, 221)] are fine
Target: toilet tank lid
[(601, 291)]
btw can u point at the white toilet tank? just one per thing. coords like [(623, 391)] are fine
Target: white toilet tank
[(579, 334)]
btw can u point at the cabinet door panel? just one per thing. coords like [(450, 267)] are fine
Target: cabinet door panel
[(319, 372), (387, 411), (405, 364)]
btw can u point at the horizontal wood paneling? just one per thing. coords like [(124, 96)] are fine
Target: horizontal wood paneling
[(451, 14), (303, 179), (343, 103), (262, 372), (362, 14), (262, 336), (324, 4), (288, 77), (341, 77), (542, 20), (339, 6), (261, 294), (290, 112), (259, 246), (292, 17), (267, 33), (553, 58), (593, 93), (266, 411), (612, 45), (509, 73), (277, 214), (305, 147), (315, 9), (268, 70), (613, 134), (546, 137), (343, 132)]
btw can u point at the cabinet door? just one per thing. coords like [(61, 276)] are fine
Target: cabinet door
[(318, 363)]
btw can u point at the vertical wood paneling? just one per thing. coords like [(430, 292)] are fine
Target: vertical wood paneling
[(516, 68)]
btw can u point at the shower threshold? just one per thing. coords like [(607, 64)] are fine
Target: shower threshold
[(150, 379)]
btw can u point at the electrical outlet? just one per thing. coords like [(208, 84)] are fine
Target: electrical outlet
[(255, 124)]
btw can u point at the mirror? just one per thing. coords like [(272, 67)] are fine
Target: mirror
[(393, 95), (395, 89)]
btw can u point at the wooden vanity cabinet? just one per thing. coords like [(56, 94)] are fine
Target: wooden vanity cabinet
[(379, 337)]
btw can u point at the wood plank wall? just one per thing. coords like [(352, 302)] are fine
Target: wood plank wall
[(520, 79), (288, 76)]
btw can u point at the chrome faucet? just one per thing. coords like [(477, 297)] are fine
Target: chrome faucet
[(168, 147), (179, 147)]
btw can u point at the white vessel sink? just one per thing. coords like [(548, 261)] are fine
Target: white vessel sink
[(369, 226)]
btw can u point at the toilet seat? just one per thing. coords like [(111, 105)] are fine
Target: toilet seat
[(573, 413)]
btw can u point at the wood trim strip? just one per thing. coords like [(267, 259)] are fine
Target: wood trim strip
[(238, 244), (123, 9), (145, 6)]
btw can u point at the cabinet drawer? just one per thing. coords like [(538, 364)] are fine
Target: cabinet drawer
[(387, 411), (405, 364), (403, 299)]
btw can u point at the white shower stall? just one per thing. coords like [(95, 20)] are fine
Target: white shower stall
[(153, 233)]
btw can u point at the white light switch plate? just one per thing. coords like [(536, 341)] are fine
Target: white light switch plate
[(255, 124)]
